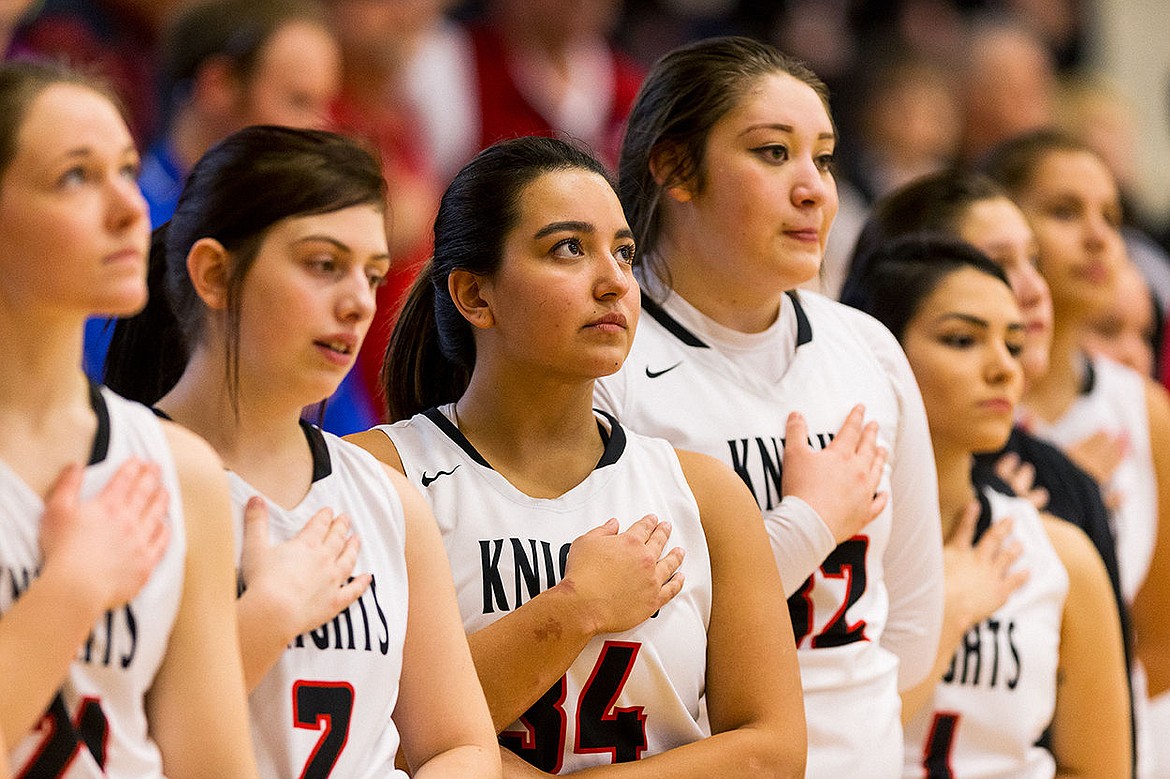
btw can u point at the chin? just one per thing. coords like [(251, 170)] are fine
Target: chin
[(126, 303)]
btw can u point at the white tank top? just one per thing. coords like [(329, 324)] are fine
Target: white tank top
[(628, 695), (96, 725), (324, 709), (999, 694)]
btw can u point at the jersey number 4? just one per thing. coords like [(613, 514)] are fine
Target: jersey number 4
[(846, 562), (324, 706), (64, 737), (601, 726)]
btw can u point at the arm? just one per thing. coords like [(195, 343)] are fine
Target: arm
[(978, 581), (292, 587), (1152, 602), (753, 682), (197, 705), (913, 558), (1090, 727), (97, 556), (829, 496), (441, 713), (613, 581)]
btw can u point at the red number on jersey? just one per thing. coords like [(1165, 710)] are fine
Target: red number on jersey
[(846, 562), (328, 704), (64, 737), (601, 726)]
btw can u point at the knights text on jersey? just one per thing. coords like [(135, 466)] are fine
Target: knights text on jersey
[(628, 695), (865, 613), (96, 725), (324, 709), (999, 694)]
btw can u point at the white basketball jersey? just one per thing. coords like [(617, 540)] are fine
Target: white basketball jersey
[(324, 709), (1114, 399), (999, 694), (96, 725), (628, 695), (872, 603)]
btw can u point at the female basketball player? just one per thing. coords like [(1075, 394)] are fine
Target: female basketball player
[(1083, 403), (593, 647), (972, 207), (269, 267), (133, 665), (1029, 645), (726, 175)]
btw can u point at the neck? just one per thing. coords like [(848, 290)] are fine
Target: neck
[(40, 364), (1050, 395), (265, 427), (740, 306), (541, 435), (955, 491)]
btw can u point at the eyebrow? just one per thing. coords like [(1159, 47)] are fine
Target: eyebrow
[(341, 246), (85, 151), (977, 321), (564, 227), (786, 128)]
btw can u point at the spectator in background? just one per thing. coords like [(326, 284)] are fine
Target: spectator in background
[(1130, 330), (379, 43), (116, 40), (11, 13)]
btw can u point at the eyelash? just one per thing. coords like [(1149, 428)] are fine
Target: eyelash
[(627, 254)]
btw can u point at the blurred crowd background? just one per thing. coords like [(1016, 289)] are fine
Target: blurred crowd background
[(916, 85)]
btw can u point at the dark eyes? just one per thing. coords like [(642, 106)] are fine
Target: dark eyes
[(777, 153), (626, 254), (568, 247)]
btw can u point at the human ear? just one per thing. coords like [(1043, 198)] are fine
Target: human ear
[(469, 293), (208, 266), (667, 166)]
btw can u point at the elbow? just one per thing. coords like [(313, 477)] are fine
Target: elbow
[(776, 755)]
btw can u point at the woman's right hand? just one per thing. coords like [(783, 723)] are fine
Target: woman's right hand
[(979, 576), (110, 543), (839, 482), (307, 580), (622, 579)]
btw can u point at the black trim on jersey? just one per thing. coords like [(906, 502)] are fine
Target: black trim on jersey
[(614, 438), (322, 465), (676, 328), (984, 521), (101, 437), (318, 449), (1090, 379), (455, 434), (803, 326)]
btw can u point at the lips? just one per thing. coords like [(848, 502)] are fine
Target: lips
[(610, 321), (129, 254), (338, 348), (810, 235)]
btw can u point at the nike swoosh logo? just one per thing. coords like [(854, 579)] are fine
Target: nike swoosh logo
[(426, 480), (655, 374)]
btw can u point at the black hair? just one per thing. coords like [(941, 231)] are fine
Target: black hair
[(683, 96), (1013, 162), (234, 30), (936, 203), (432, 349), (237, 191), (905, 271)]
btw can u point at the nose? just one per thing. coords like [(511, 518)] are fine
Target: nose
[(811, 185), (125, 204), (1002, 368), (1031, 289), (357, 300), (613, 279)]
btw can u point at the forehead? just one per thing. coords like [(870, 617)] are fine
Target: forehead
[(570, 195), (65, 118), (779, 99), (972, 292), (1074, 172), (997, 218), (361, 228)]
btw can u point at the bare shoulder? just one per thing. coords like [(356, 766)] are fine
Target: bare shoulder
[(1081, 559), (378, 444), (195, 460), (725, 504)]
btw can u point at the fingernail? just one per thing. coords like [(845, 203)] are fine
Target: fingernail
[(255, 502)]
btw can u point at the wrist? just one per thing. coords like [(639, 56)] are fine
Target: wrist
[(576, 612)]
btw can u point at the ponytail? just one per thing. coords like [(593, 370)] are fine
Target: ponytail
[(147, 354), (415, 373)]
